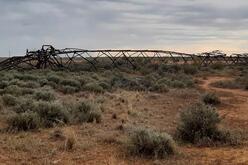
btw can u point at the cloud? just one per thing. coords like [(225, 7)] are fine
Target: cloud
[(182, 25)]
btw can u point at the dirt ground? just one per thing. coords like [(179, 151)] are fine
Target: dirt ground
[(103, 143)]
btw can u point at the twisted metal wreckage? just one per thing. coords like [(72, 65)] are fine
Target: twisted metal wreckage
[(49, 57)]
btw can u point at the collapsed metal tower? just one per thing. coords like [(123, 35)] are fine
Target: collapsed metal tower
[(69, 58)]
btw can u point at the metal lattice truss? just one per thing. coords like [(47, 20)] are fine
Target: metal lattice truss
[(49, 57)]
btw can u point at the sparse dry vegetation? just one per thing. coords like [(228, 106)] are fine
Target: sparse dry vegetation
[(96, 104), (144, 142), (211, 99), (199, 124)]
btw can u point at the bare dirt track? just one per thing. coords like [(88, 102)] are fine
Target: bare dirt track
[(235, 102), (235, 109)]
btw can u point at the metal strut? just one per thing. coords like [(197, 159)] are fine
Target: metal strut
[(49, 57)]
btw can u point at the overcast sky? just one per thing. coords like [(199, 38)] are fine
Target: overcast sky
[(181, 25)]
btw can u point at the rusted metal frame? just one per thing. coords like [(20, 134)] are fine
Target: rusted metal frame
[(235, 59), (232, 60), (54, 62), (90, 57), (111, 58), (184, 59), (92, 64), (54, 58), (69, 58), (159, 57), (29, 63), (203, 60), (193, 59), (246, 58), (99, 54), (134, 56), (147, 58), (118, 56), (127, 59), (165, 57), (173, 58), (210, 59), (130, 56)]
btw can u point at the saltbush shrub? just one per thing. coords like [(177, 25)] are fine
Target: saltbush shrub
[(26, 77), (68, 89), (86, 112), (3, 84), (144, 142), (226, 84), (199, 122), (44, 96), (217, 66), (190, 69), (51, 114), (43, 82), (93, 87), (211, 98), (159, 88), (25, 105), (13, 90), (54, 78), (72, 83), (24, 121), (27, 91), (30, 84), (9, 100)]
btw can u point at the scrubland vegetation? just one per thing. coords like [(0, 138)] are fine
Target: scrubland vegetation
[(37, 100)]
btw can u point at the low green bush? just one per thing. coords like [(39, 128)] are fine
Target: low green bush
[(13, 90), (43, 82), (86, 112), (54, 78), (52, 114), (9, 100), (105, 85), (165, 68), (30, 84), (120, 81), (25, 105), (23, 121), (44, 96), (144, 142), (211, 98), (70, 82), (190, 69), (93, 87), (3, 84), (159, 88), (68, 89), (17, 91), (227, 84), (199, 125), (217, 66), (26, 76)]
